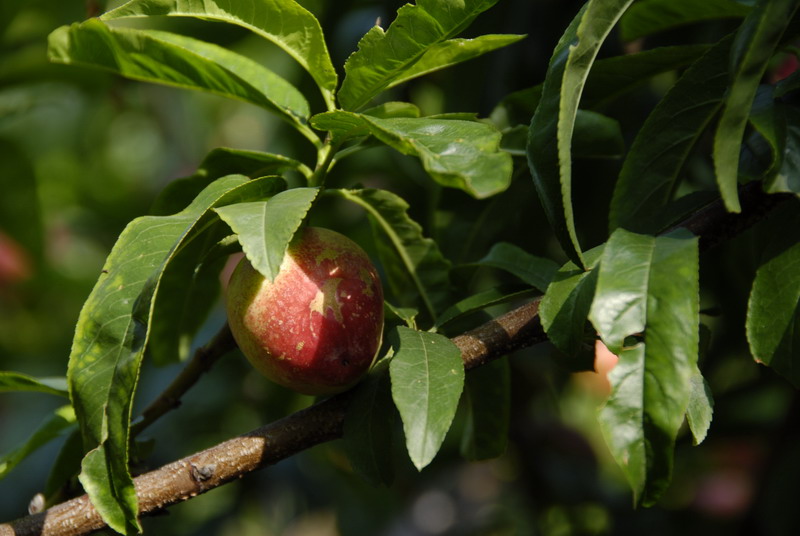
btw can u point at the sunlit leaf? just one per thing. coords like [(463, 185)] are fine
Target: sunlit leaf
[(383, 57), (265, 228), (427, 379), (755, 43), (455, 153), (646, 309), (168, 58), (701, 408), (284, 22), (112, 333)]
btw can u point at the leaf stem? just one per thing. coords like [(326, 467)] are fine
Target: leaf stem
[(325, 159)]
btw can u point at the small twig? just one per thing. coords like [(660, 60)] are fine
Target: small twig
[(203, 359)]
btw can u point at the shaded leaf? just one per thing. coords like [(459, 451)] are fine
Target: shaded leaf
[(773, 310), (112, 333), (427, 379), (383, 57), (412, 263), (552, 127), (175, 60), (646, 309), (284, 22), (368, 427), (564, 309), (701, 408), (661, 147), (455, 153), (488, 406), (265, 228), (62, 419), (533, 270), (16, 381), (755, 43), (608, 79), (482, 300), (651, 16)]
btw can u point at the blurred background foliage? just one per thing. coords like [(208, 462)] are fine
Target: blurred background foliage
[(82, 153)]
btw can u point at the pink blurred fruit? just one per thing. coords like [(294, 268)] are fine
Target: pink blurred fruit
[(317, 327)]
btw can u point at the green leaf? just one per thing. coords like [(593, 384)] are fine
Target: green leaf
[(773, 310), (62, 419), (175, 60), (454, 51), (646, 309), (368, 427), (488, 406), (16, 381), (65, 468), (427, 379), (400, 315), (383, 57), (218, 163), (455, 153), (413, 265), (284, 22), (265, 228), (482, 300), (663, 144), (564, 309), (112, 333), (755, 43), (608, 79), (552, 127), (652, 16), (533, 270), (701, 408)]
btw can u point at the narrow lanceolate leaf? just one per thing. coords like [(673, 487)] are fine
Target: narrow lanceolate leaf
[(175, 60), (482, 300), (16, 381), (773, 311), (609, 78), (452, 52), (550, 138), (413, 264), (652, 16), (265, 228), (284, 22), (701, 408), (369, 425), (112, 333), (755, 43), (564, 309), (535, 271), (218, 163), (646, 309), (488, 406), (62, 419), (455, 153), (427, 379), (384, 56), (663, 144)]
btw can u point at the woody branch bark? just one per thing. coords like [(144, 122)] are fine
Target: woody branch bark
[(323, 421)]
